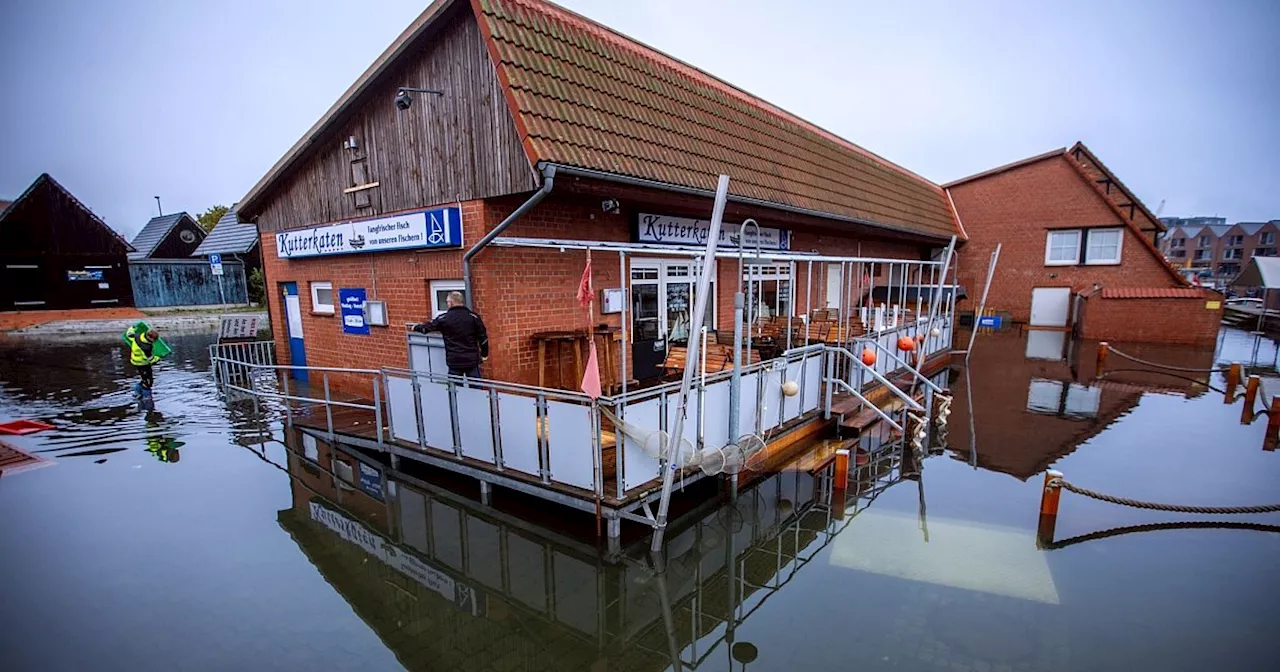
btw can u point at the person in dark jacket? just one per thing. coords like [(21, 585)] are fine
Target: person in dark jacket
[(466, 341)]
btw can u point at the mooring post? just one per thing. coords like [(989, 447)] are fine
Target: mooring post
[(840, 482), (1233, 381), (1250, 399), (1048, 508), (1103, 349), (1273, 422)]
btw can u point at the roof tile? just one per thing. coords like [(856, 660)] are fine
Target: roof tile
[(592, 98), (1152, 293)]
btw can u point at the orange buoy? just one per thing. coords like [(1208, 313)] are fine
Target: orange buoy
[(868, 356), (906, 344), (920, 338)]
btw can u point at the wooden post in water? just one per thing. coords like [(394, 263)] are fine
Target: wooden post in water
[(1233, 381), (1048, 509), (1103, 349), (1273, 425), (840, 482), (1250, 399)]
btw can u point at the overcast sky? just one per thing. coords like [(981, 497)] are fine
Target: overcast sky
[(194, 101)]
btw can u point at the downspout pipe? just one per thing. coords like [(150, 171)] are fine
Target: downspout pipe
[(548, 183)]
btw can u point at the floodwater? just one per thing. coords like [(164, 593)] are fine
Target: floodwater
[(199, 536)]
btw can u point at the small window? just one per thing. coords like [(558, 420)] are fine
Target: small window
[(1233, 253), (1179, 242), (1267, 238), (1235, 241), (1062, 248), (322, 297), (440, 294), (1206, 241), (1104, 246), (1265, 252), (1202, 254)]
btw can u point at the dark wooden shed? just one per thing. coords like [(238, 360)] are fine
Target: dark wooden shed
[(59, 255)]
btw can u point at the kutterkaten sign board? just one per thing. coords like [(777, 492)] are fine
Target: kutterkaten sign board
[(667, 230), (435, 228)]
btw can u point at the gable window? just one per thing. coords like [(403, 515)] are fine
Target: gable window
[(1233, 253), (1103, 246), (1062, 248), (322, 297), (1235, 241), (1178, 242), (1267, 238), (1205, 241)]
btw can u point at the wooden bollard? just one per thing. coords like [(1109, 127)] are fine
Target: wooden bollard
[(1233, 381), (1103, 349), (840, 483), (1250, 399), (1273, 420), (1048, 508)]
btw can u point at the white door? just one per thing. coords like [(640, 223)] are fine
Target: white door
[(835, 279), (1050, 306)]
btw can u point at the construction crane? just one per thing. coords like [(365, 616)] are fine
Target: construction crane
[(1160, 208)]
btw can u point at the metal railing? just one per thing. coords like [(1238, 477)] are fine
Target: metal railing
[(246, 376), (875, 375), (902, 363)]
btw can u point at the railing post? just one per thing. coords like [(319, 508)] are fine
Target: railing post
[(1103, 349), (1250, 399), (829, 382), (377, 409), (288, 403), (1233, 381), (1048, 508), (328, 408)]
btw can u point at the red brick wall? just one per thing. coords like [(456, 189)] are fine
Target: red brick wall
[(1018, 208), (517, 291), (1184, 321)]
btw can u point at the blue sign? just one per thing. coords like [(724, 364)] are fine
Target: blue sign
[(351, 302), (370, 480), (991, 321), (86, 274), (215, 259), (435, 228)]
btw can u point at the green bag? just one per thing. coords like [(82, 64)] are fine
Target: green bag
[(158, 349)]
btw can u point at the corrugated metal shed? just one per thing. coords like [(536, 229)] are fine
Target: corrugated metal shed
[(153, 234), (229, 236)]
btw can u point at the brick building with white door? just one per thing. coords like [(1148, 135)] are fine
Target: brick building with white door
[(1078, 253)]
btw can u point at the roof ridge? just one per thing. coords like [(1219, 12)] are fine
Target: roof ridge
[(621, 40), (1005, 167), (1079, 146), (65, 192)]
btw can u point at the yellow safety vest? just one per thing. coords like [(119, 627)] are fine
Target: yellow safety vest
[(138, 356)]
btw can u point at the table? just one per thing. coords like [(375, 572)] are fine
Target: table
[(577, 340)]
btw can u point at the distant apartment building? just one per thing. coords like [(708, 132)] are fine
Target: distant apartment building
[(1218, 249)]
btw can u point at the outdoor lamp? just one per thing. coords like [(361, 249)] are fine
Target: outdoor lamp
[(404, 100)]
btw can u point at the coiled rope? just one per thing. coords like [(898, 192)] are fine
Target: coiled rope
[(1163, 366), (1139, 504)]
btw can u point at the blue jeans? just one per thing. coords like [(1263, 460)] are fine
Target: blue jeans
[(473, 372)]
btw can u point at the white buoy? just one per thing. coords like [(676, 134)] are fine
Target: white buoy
[(790, 388), (935, 332)]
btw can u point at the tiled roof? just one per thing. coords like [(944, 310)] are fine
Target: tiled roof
[(229, 236), (153, 234), (586, 96), (1152, 293)]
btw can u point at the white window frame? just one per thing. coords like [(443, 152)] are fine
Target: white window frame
[(1119, 231), (1267, 238), (1233, 254), (660, 267), (1048, 247), (438, 307), (1206, 241), (316, 306)]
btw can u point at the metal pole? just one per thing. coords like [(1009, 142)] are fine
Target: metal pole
[(933, 307), (739, 360), (982, 305), (377, 409), (328, 409), (691, 361), (623, 347), (808, 299)]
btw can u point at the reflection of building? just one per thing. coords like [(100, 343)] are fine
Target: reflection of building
[(1035, 399), (448, 583)]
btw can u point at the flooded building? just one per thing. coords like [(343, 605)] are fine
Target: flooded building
[(58, 255), (498, 149), (1078, 253)]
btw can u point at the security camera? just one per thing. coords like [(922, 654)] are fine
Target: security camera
[(403, 99)]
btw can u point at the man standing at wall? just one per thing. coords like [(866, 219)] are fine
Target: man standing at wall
[(466, 341)]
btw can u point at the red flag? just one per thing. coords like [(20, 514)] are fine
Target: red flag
[(584, 287), (591, 379)]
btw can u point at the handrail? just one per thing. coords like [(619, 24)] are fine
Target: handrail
[(857, 394), (791, 355), (289, 397), (500, 385), (879, 378), (919, 376), (290, 367)]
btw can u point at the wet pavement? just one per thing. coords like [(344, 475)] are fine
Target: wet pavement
[(200, 537)]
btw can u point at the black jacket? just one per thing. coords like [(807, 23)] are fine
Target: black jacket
[(466, 341)]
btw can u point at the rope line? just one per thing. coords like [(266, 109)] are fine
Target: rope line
[(1155, 527), (1164, 366), (1105, 374), (1139, 504)]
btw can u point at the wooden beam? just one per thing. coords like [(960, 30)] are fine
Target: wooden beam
[(359, 187)]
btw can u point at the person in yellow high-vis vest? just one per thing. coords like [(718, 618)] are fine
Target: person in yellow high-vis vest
[(141, 356)]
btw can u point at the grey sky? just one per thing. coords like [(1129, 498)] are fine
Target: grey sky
[(193, 101)]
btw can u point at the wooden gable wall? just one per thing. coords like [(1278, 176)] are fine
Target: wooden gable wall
[(460, 146)]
